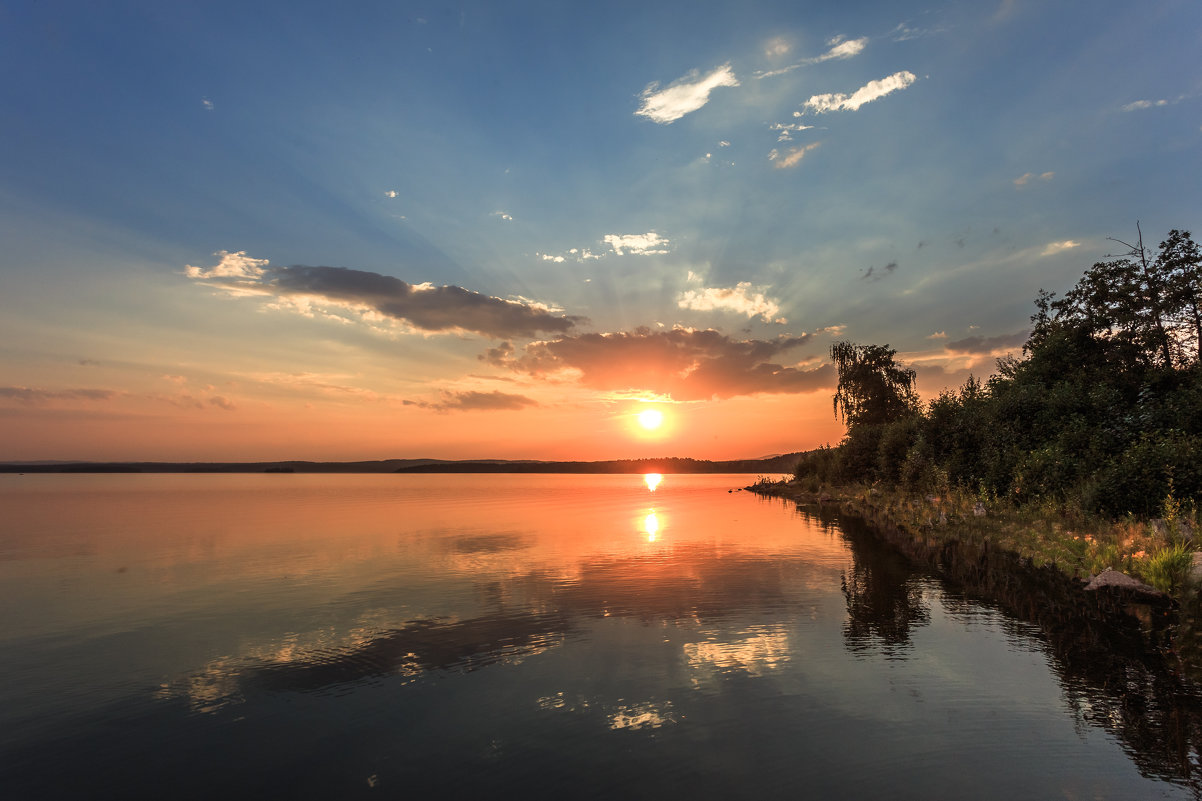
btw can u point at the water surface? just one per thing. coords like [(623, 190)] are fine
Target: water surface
[(343, 636)]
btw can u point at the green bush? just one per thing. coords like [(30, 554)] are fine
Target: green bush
[(1168, 570)]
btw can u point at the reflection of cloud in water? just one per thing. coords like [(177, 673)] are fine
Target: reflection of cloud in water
[(533, 613), (765, 649), (418, 647), (487, 543), (689, 582), (483, 553), (648, 715)]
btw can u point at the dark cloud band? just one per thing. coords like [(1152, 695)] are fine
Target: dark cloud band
[(423, 306), (683, 363)]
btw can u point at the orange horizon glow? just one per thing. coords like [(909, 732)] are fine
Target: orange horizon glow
[(281, 429)]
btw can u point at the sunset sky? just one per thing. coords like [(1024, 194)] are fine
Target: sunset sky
[(251, 231)]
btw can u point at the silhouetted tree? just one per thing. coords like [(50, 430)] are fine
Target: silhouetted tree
[(1180, 261), (873, 388), (1146, 310)]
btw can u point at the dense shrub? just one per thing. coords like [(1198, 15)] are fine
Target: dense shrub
[(1103, 412)]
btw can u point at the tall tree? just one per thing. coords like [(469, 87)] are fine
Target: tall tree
[(873, 388), (1126, 303), (1180, 261)]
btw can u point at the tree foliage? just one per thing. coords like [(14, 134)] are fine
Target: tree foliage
[(873, 388), (1103, 410)]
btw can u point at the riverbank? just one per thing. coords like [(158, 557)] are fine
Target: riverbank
[(1145, 569)]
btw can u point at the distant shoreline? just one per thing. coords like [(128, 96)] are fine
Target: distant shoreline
[(784, 463)]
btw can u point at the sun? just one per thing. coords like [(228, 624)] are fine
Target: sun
[(651, 419)]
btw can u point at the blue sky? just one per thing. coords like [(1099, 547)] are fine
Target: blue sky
[(550, 213)]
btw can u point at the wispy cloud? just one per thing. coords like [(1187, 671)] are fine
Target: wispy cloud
[(873, 90), (785, 130), (984, 346), (1057, 247), (1139, 105), (476, 401), (503, 215), (684, 363), (904, 32), (425, 307), (840, 48), (1027, 177), (684, 95), (32, 396), (741, 299), (647, 244), (792, 158)]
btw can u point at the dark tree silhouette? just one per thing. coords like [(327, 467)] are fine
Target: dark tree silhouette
[(873, 388)]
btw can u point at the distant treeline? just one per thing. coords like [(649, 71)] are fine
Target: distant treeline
[(775, 464), (386, 466), (1102, 412)]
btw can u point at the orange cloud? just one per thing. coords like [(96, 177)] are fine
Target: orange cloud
[(476, 401), (681, 363)]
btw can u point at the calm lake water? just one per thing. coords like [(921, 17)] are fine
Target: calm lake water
[(382, 636)]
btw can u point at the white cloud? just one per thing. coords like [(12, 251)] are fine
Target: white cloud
[(685, 95), (741, 299), (786, 130), (792, 158), (502, 215), (873, 90), (579, 255), (648, 244), (208, 104), (1058, 247), (232, 265), (1142, 104), (839, 49), (391, 193), (938, 335)]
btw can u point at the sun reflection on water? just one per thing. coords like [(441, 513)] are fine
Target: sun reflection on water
[(651, 526), (652, 480)]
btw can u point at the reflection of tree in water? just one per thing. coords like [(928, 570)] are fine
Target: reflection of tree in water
[(1115, 674), (884, 596)]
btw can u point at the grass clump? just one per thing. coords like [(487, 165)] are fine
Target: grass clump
[(1168, 570)]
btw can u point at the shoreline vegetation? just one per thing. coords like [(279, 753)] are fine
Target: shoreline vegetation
[(1082, 456)]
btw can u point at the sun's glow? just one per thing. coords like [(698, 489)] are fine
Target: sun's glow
[(652, 480), (651, 419)]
